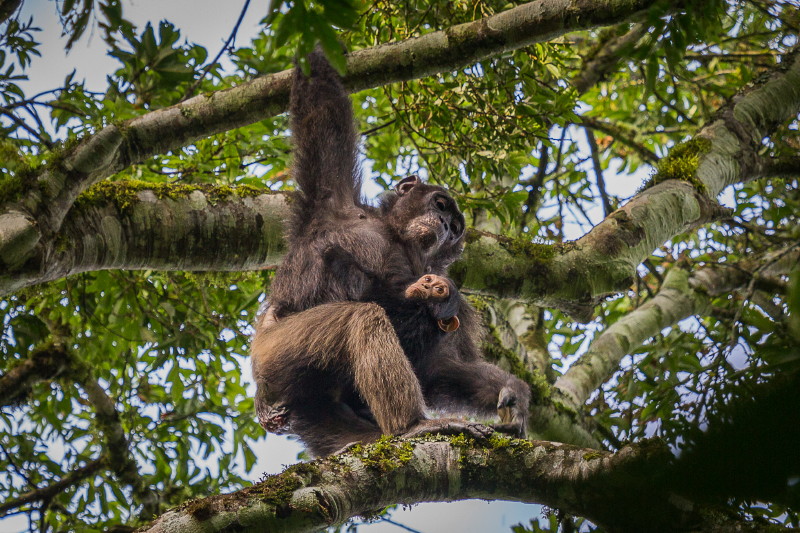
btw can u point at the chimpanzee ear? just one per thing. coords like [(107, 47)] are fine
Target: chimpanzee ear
[(406, 184), (449, 325)]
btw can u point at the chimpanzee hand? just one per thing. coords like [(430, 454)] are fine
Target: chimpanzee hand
[(449, 426), (512, 408), (273, 418)]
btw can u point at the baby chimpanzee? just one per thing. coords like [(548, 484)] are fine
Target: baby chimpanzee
[(427, 310)]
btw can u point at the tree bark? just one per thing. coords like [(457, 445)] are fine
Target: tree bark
[(141, 228)]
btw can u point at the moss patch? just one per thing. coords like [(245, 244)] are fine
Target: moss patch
[(681, 164), (125, 193), (592, 455), (494, 351), (10, 188), (385, 454), (278, 490)]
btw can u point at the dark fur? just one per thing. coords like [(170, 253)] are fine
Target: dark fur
[(323, 357)]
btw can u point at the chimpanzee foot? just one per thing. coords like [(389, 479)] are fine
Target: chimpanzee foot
[(513, 417), (513, 430), (346, 447), (450, 426)]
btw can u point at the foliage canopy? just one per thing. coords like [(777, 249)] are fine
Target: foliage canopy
[(131, 380)]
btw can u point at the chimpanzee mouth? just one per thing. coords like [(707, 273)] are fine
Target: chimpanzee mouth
[(415, 293), (427, 231)]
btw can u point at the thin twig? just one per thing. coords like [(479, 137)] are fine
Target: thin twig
[(44, 493), (225, 47), (598, 171)]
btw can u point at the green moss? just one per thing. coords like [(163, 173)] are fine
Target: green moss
[(385, 454), (499, 441), (494, 351), (681, 164), (10, 188), (461, 441), (480, 302), (592, 455), (531, 250), (278, 490), (125, 193)]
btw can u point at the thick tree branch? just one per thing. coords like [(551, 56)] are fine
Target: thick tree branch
[(573, 277), (120, 145), (624, 491), (133, 226)]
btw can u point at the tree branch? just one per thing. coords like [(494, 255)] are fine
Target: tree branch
[(172, 227), (625, 135), (682, 295), (44, 364), (54, 489), (117, 446), (782, 167), (623, 491), (604, 60), (118, 146), (598, 171)]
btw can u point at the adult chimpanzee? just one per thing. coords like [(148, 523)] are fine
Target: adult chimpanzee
[(328, 365)]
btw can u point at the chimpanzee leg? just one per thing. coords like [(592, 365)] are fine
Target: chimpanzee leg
[(382, 373), (481, 386), (300, 356), (327, 428), (302, 362)]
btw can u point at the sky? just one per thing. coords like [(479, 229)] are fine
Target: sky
[(204, 22)]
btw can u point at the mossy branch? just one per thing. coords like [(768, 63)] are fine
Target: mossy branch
[(682, 295), (140, 225), (623, 491)]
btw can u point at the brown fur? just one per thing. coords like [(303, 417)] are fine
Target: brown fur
[(375, 362)]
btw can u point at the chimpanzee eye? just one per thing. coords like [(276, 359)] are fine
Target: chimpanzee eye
[(439, 289), (441, 204), (428, 279)]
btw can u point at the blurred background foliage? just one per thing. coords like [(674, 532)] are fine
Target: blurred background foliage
[(507, 135)]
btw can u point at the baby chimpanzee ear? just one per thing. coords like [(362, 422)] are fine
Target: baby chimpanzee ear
[(406, 184), (449, 325)]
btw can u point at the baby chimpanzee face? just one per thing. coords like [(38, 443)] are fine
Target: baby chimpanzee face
[(429, 287)]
